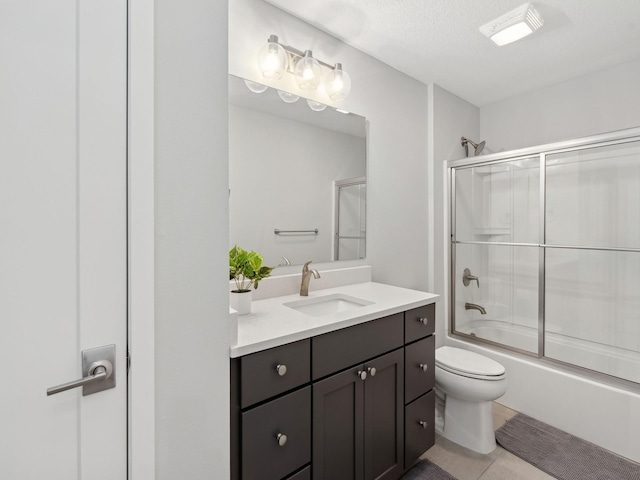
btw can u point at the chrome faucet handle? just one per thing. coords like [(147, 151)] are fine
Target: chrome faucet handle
[(286, 262), (305, 267), (467, 278)]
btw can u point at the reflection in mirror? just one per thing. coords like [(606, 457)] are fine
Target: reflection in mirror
[(297, 178)]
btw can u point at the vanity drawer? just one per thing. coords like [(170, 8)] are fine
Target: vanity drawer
[(261, 378), (419, 322), (419, 437), (263, 458), (341, 349), (419, 368)]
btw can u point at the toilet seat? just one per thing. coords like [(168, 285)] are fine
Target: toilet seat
[(468, 364)]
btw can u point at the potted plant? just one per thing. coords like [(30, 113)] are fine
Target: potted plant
[(246, 269)]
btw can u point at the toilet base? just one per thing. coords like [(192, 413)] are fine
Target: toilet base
[(469, 424)]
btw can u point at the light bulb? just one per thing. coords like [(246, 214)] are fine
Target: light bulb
[(255, 87), (308, 72), (316, 106), (288, 97), (272, 59), (338, 83)]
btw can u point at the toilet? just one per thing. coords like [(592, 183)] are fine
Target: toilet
[(466, 384)]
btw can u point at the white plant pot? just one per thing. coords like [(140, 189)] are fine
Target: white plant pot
[(241, 302)]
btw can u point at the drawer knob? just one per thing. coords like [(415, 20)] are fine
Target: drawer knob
[(423, 424), (423, 320), (424, 367), (282, 439), (372, 371), (281, 369), (362, 374)]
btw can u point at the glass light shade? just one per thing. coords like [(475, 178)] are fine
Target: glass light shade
[(272, 59), (308, 72), (338, 84), (288, 97), (511, 34), (316, 106), (255, 87)]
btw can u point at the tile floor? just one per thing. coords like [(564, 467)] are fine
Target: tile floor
[(465, 464)]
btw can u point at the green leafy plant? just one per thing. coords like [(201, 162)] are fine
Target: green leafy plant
[(246, 269)]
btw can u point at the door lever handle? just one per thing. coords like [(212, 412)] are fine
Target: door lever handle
[(98, 368), (98, 371)]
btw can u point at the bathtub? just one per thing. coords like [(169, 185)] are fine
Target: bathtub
[(604, 414), (608, 359)]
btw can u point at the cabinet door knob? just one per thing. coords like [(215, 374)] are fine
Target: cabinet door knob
[(423, 424), (282, 439), (424, 367), (372, 371), (362, 374), (423, 320), (281, 369)]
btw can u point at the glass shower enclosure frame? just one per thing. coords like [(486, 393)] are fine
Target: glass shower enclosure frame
[(545, 253)]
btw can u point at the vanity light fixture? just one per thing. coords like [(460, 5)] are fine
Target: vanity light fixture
[(255, 87), (275, 58), (316, 106), (514, 25), (288, 97), (308, 72), (338, 83)]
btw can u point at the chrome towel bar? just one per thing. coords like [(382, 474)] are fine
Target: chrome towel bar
[(277, 231)]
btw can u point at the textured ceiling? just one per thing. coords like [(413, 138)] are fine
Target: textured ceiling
[(437, 41)]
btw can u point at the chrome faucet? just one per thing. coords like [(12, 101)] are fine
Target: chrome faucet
[(473, 306), (306, 276)]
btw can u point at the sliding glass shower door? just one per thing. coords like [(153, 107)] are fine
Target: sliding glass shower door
[(592, 262), (496, 241), (546, 253)]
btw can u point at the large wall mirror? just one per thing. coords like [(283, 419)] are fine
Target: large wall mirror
[(297, 178)]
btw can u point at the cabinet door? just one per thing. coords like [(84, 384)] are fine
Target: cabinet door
[(338, 427), (383, 417)]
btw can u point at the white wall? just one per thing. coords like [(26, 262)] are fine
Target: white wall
[(192, 332), (396, 107), (597, 103), (281, 175), (453, 118)]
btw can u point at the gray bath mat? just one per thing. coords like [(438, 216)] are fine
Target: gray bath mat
[(560, 454), (425, 470)]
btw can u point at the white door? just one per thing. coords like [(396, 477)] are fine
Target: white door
[(63, 263)]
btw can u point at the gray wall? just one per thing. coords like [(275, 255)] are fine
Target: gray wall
[(191, 288)]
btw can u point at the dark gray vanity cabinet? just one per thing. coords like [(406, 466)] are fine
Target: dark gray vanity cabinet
[(353, 404)]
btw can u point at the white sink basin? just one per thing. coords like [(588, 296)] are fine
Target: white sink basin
[(327, 304)]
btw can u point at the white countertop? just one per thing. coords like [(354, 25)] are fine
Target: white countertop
[(271, 324)]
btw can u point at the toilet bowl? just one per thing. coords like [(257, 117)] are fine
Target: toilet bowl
[(466, 384)]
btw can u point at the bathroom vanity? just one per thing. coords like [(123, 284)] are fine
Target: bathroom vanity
[(342, 395)]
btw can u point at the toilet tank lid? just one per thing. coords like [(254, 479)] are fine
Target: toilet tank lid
[(464, 361)]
